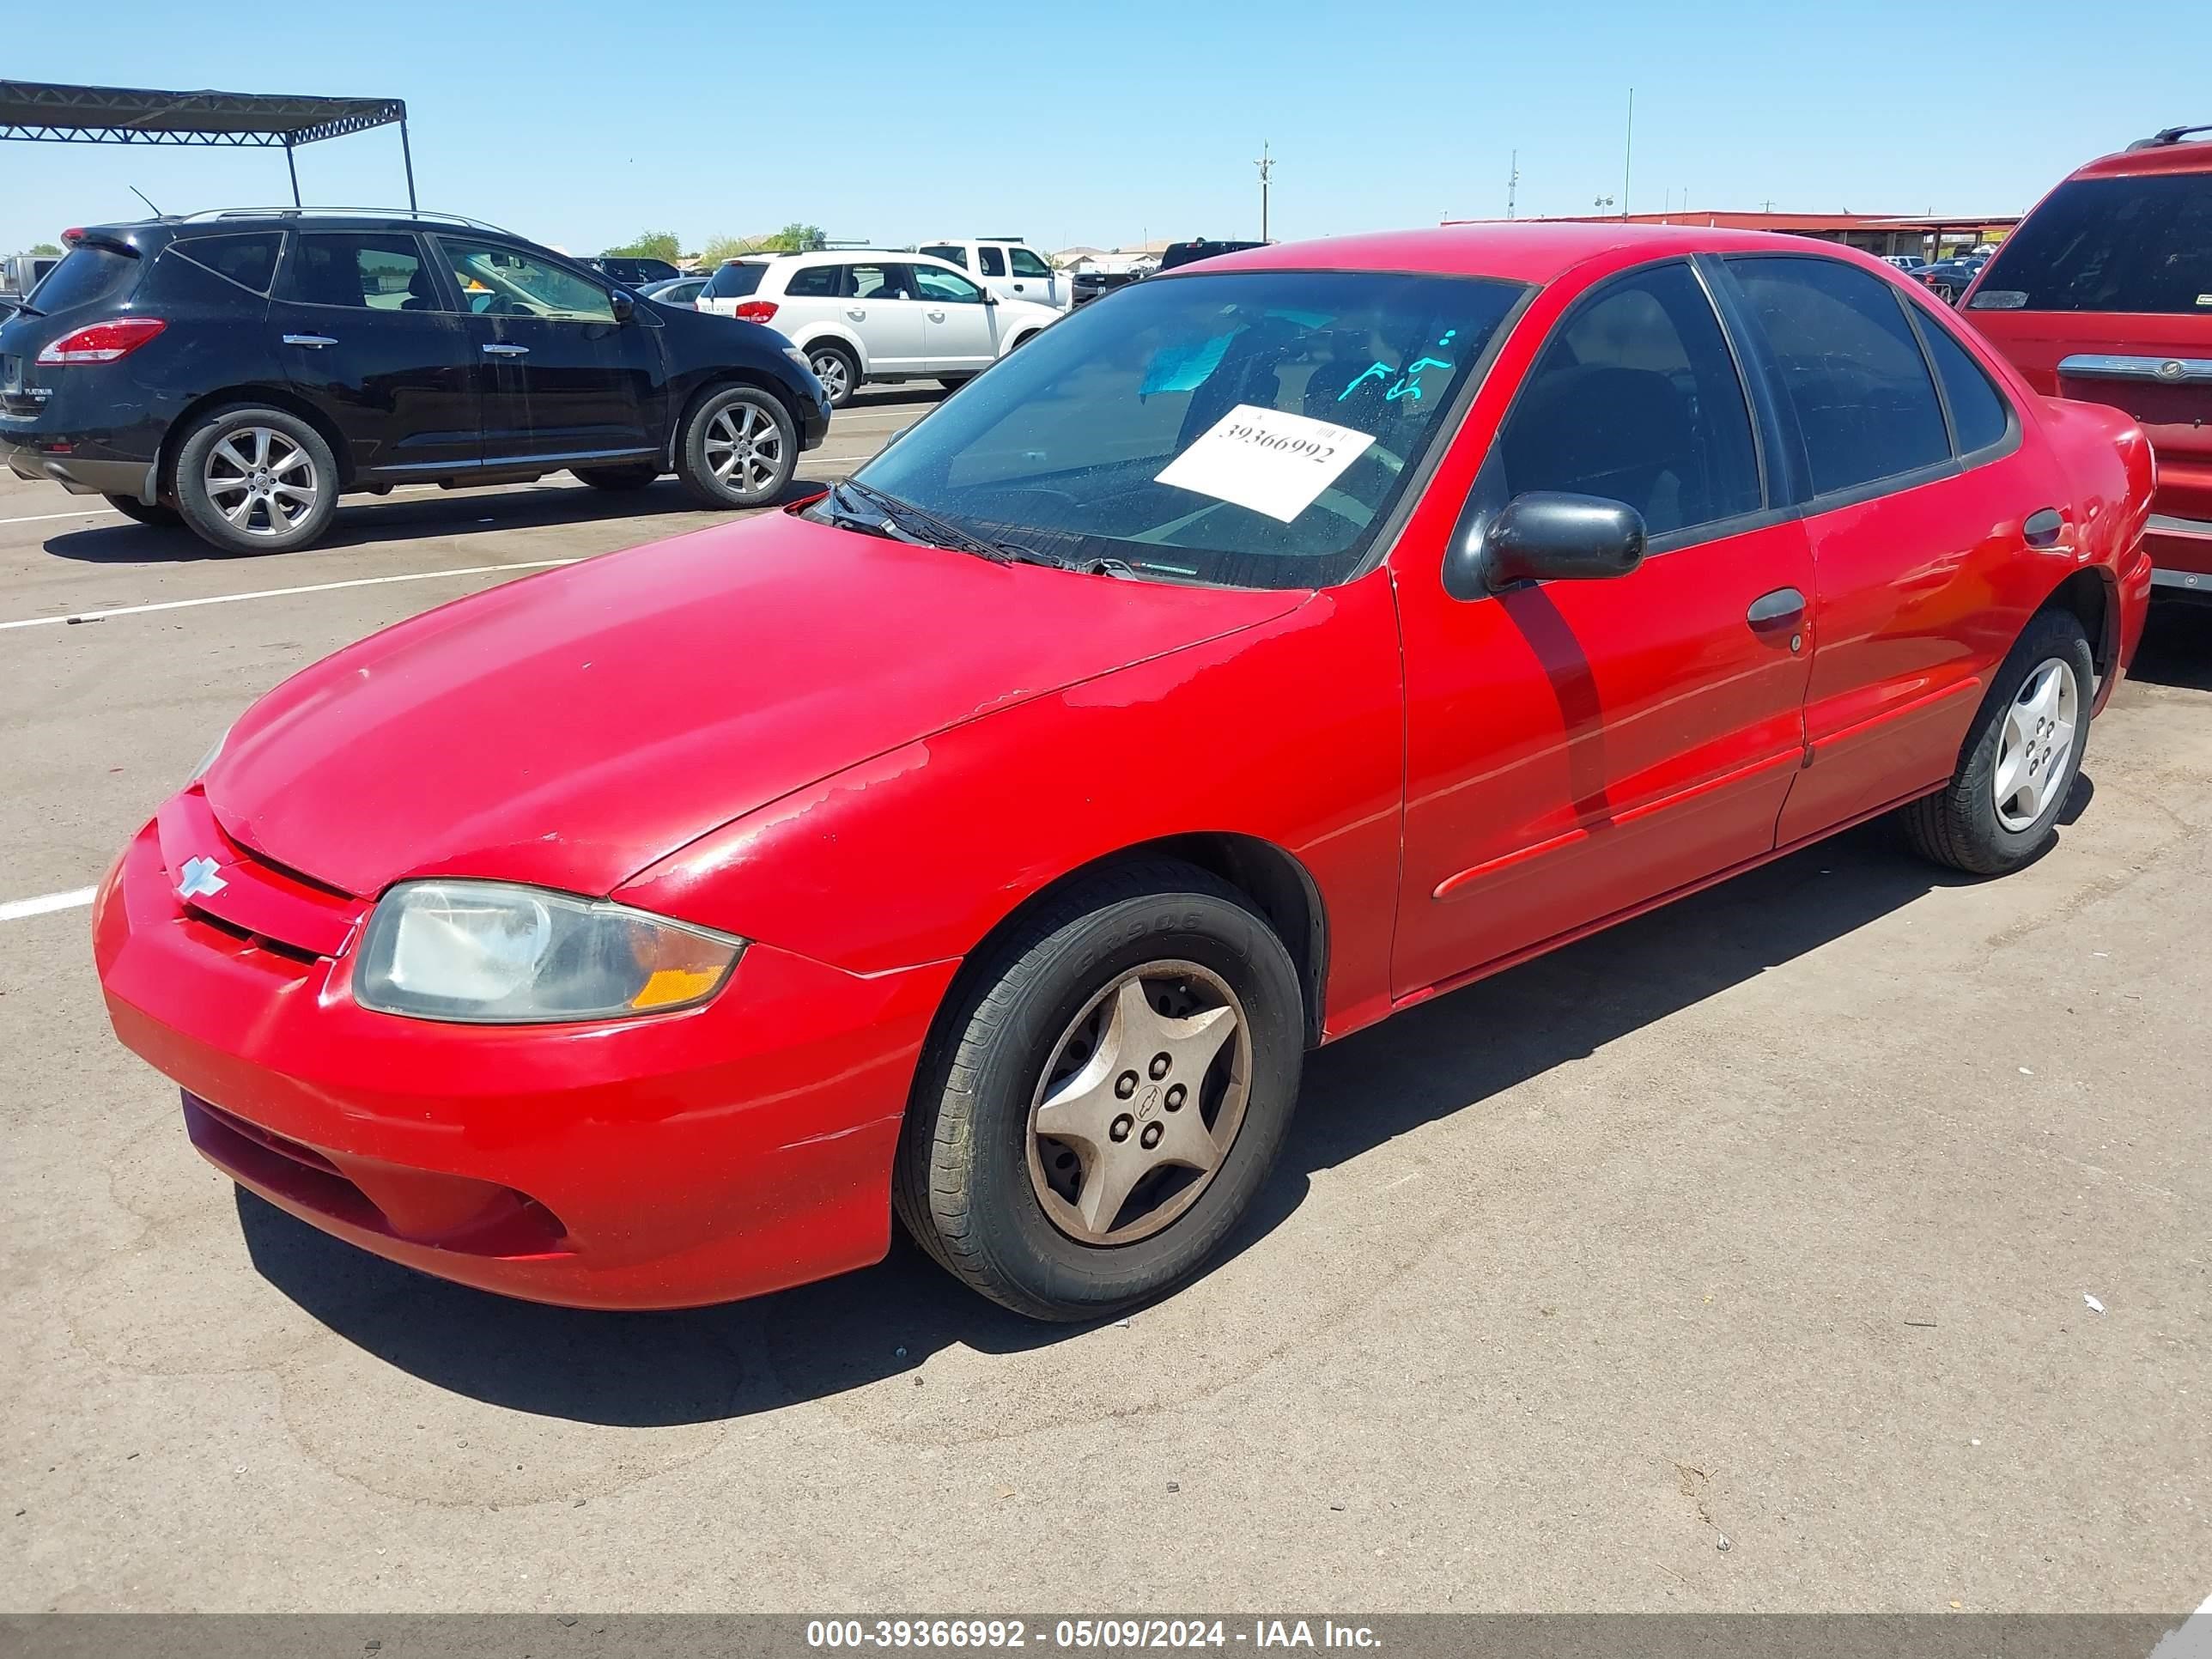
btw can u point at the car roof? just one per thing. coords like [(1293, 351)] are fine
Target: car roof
[(1523, 251), (2188, 156)]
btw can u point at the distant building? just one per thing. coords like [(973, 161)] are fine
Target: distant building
[(1929, 235)]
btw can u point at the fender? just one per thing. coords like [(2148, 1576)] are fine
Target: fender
[(815, 333)]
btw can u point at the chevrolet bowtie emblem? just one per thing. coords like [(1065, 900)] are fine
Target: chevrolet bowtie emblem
[(200, 879)]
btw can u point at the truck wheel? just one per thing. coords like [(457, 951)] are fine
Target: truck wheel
[(161, 518), (2020, 760), (1109, 1096), (738, 449), (256, 480)]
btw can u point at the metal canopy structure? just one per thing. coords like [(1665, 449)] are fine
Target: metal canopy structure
[(43, 112)]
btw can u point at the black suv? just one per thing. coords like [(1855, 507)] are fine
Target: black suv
[(240, 369)]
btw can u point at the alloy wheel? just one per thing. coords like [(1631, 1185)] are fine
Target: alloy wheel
[(261, 481), (744, 449), (1140, 1102), (837, 379), (2035, 743)]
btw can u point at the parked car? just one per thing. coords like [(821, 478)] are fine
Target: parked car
[(1089, 285), (2105, 292), (633, 270), (680, 291), (1184, 253), (1007, 268), (859, 316), (1950, 278), (1300, 637), (1905, 262), (236, 372)]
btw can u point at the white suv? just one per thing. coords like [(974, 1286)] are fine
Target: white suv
[(1009, 269), (861, 315)]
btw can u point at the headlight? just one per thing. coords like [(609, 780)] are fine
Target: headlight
[(208, 759), (490, 953), (798, 357)]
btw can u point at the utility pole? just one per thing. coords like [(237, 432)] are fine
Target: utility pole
[(1627, 153), (1266, 167), (1512, 183)]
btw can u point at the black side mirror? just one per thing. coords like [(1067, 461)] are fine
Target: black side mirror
[(624, 306), (1551, 536)]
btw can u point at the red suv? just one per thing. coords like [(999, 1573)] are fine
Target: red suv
[(2105, 293)]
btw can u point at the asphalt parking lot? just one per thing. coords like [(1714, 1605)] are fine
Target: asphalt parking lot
[(1837, 1239)]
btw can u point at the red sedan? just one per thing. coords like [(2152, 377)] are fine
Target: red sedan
[(1263, 649)]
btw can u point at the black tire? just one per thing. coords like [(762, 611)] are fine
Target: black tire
[(158, 516), (206, 517), (618, 477), (838, 370), (1959, 825), (963, 1184), (748, 416), (954, 382)]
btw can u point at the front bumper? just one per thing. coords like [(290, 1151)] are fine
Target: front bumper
[(694, 1158)]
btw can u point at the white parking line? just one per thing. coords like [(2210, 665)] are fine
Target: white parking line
[(284, 592), (15, 909), (41, 518)]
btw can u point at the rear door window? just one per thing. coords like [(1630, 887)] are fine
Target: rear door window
[(376, 270), (1026, 264), (1850, 366), (85, 276), (878, 282), (247, 258), (1979, 416), (2140, 244)]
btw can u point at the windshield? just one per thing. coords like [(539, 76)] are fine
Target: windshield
[(2125, 244), (1253, 429)]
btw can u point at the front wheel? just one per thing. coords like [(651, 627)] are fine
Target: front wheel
[(2021, 758), (158, 516), (1108, 1098), (256, 480), (739, 448)]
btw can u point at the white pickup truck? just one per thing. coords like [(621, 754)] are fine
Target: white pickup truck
[(1009, 268)]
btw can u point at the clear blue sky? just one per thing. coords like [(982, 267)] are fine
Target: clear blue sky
[(581, 122)]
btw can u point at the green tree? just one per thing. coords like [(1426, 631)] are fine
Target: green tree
[(715, 249), (795, 238), (648, 244), (44, 247)]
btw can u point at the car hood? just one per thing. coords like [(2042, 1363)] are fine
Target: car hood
[(571, 728)]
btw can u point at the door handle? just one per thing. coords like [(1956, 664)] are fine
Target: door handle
[(309, 340), (856, 313), (506, 351), (2043, 529), (936, 316), (1772, 613)]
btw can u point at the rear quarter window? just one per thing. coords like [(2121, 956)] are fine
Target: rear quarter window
[(247, 258), (2131, 243), (86, 276), (815, 283)]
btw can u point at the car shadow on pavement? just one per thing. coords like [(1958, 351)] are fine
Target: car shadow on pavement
[(2176, 645), (1456, 1054), (369, 520)]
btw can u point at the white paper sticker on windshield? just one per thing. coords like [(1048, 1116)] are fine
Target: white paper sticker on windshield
[(1264, 459)]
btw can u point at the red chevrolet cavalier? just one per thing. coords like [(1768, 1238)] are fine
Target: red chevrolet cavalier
[(1266, 648)]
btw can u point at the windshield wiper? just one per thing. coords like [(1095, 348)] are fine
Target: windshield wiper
[(899, 513)]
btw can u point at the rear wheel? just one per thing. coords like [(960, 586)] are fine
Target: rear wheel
[(164, 518), (738, 449), (838, 371), (1109, 1097), (618, 477), (2020, 760), (256, 480)]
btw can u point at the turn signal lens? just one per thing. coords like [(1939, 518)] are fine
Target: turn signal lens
[(102, 343)]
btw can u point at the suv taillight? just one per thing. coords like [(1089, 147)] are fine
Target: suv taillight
[(103, 343), (755, 310)]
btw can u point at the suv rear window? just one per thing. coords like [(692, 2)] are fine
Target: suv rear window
[(733, 282), (2138, 244), (86, 276)]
